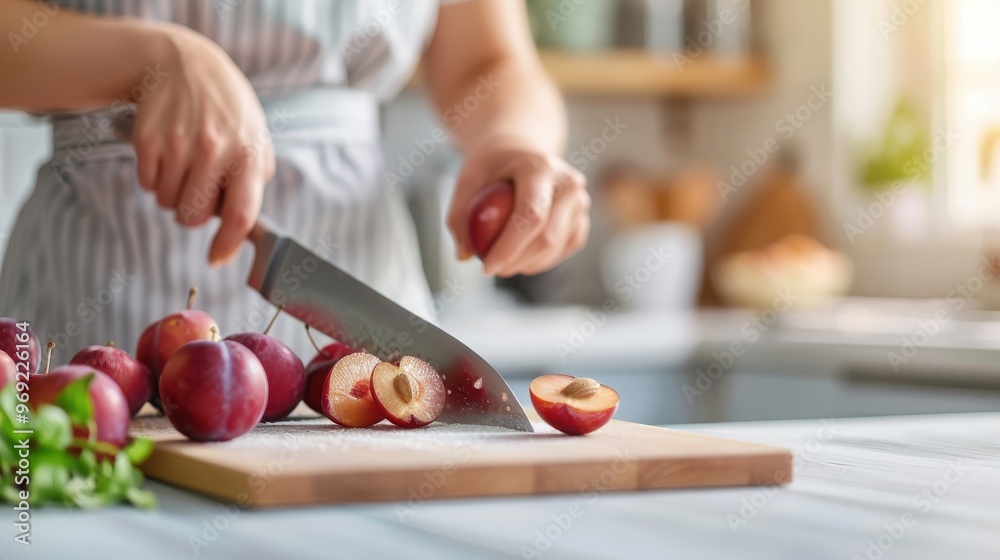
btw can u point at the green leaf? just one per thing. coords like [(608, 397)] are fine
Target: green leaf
[(75, 400), (8, 400), (52, 427), (140, 498), (138, 450), (50, 472)]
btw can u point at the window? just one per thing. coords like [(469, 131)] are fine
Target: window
[(971, 175)]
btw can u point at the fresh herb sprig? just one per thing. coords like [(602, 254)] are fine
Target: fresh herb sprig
[(64, 468)]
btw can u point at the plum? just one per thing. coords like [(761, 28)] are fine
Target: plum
[(410, 392), (213, 390), (111, 412), (8, 370), (161, 339), (14, 333), (319, 368), (286, 376), (574, 406), (131, 375), (347, 396), (491, 209)]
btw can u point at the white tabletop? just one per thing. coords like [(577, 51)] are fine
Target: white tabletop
[(922, 487)]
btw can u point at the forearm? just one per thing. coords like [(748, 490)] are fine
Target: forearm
[(510, 100), (66, 63)]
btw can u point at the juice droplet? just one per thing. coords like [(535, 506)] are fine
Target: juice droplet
[(478, 384), (503, 397), (449, 391), (508, 409)]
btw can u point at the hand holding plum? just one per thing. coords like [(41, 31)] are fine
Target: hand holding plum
[(550, 212)]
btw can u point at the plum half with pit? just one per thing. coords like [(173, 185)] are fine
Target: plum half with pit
[(286, 376), (213, 390), (574, 406), (132, 376), (410, 392)]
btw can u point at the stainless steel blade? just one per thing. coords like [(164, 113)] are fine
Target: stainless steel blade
[(341, 306)]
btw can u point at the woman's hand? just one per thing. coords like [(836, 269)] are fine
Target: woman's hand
[(550, 220), (202, 142)]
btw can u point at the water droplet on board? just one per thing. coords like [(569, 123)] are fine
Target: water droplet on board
[(503, 397), (508, 409), (478, 384)]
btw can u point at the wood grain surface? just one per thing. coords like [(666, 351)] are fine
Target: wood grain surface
[(313, 461)]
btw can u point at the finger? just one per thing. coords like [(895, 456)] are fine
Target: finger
[(147, 162), (241, 204), (533, 192), (546, 250), (200, 195), (466, 188), (174, 167)]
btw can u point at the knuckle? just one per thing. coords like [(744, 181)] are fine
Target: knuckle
[(240, 218), (549, 238), (177, 140), (209, 143)]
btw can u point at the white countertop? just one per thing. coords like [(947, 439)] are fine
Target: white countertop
[(925, 487), (853, 332)]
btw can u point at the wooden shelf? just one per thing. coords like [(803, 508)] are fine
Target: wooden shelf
[(641, 73)]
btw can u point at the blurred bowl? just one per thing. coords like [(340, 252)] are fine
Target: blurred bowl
[(797, 265), (654, 267)]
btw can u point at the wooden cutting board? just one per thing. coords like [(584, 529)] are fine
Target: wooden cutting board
[(312, 461)]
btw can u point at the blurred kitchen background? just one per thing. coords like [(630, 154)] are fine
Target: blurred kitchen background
[(796, 208)]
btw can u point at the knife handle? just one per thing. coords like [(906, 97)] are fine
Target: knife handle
[(259, 232)]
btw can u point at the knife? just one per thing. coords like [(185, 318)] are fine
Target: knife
[(332, 301)]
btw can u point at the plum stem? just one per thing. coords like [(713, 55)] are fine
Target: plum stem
[(267, 329), (582, 388), (310, 336), (215, 333), (192, 293), (111, 343), (403, 388), (48, 356)]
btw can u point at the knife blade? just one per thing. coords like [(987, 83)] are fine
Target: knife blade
[(332, 301)]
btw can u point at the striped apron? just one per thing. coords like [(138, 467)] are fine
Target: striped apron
[(92, 257)]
